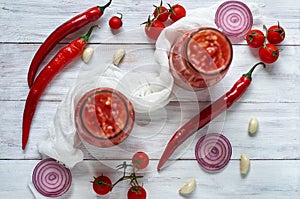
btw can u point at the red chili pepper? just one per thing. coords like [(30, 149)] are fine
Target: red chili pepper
[(60, 61), (61, 32), (207, 114)]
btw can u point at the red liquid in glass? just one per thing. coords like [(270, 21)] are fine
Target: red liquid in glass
[(200, 58), (104, 117)]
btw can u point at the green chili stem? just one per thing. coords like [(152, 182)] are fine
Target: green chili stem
[(86, 37), (102, 8), (249, 73)]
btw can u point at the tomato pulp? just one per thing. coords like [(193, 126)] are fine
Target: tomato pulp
[(104, 117), (200, 58)]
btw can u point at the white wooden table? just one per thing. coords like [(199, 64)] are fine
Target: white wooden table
[(273, 97)]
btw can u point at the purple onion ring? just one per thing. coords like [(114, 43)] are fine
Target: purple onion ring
[(213, 152), (50, 178), (234, 18)]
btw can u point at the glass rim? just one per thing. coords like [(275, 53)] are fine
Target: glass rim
[(217, 71), (93, 93)]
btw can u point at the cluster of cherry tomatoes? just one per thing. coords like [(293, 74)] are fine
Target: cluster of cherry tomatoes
[(154, 26), (268, 52), (102, 184)]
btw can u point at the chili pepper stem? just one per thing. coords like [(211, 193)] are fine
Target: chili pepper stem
[(86, 37), (102, 8), (249, 73)]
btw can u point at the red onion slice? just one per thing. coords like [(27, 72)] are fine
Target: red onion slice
[(50, 178), (234, 18), (213, 152)]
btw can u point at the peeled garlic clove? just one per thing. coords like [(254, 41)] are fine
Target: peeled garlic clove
[(118, 56), (253, 125), (244, 164), (87, 54), (188, 187)]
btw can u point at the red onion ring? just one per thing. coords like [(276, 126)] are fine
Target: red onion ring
[(50, 178), (234, 18), (213, 152)]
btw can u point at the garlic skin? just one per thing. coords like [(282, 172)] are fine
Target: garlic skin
[(188, 187), (87, 54), (244, 164), (118, 56), (253, 125)]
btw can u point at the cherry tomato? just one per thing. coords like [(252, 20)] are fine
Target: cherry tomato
[(136, 192), (153, 28), (162, 13), (177, 12), (269, 53), (276, 34), (102, 185), (255, 38), (140, 160), (116, 22)]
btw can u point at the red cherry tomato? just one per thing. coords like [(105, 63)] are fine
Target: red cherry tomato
[(269, 53), (255, 38), (276, 34), (116, 22), (140, 160), (162, 13), (102, 185), (136, 192), (153, 28), (177, 12)]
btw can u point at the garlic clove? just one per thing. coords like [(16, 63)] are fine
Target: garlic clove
[(118, 56), (188, 187), (87, 54), (253, 125), (244, 164)]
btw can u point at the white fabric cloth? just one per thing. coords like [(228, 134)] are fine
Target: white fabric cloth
[(145, 91)]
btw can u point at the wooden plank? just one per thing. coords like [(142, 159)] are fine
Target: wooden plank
[(33, 20), (266, 179), (271, 85), (276, 138)]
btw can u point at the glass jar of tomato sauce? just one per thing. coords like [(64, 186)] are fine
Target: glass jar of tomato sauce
[(200, 58), (104, 117)]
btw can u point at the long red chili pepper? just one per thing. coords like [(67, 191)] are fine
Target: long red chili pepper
[(61, 32), (60, 61), (207, 114)]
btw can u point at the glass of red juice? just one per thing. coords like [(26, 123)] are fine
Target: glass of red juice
[(200, 58), (104, 117)]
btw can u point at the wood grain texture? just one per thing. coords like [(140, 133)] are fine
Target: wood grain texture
[(276, 138), (273, 81), (266, 179), (42, 17), (273, 97)]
